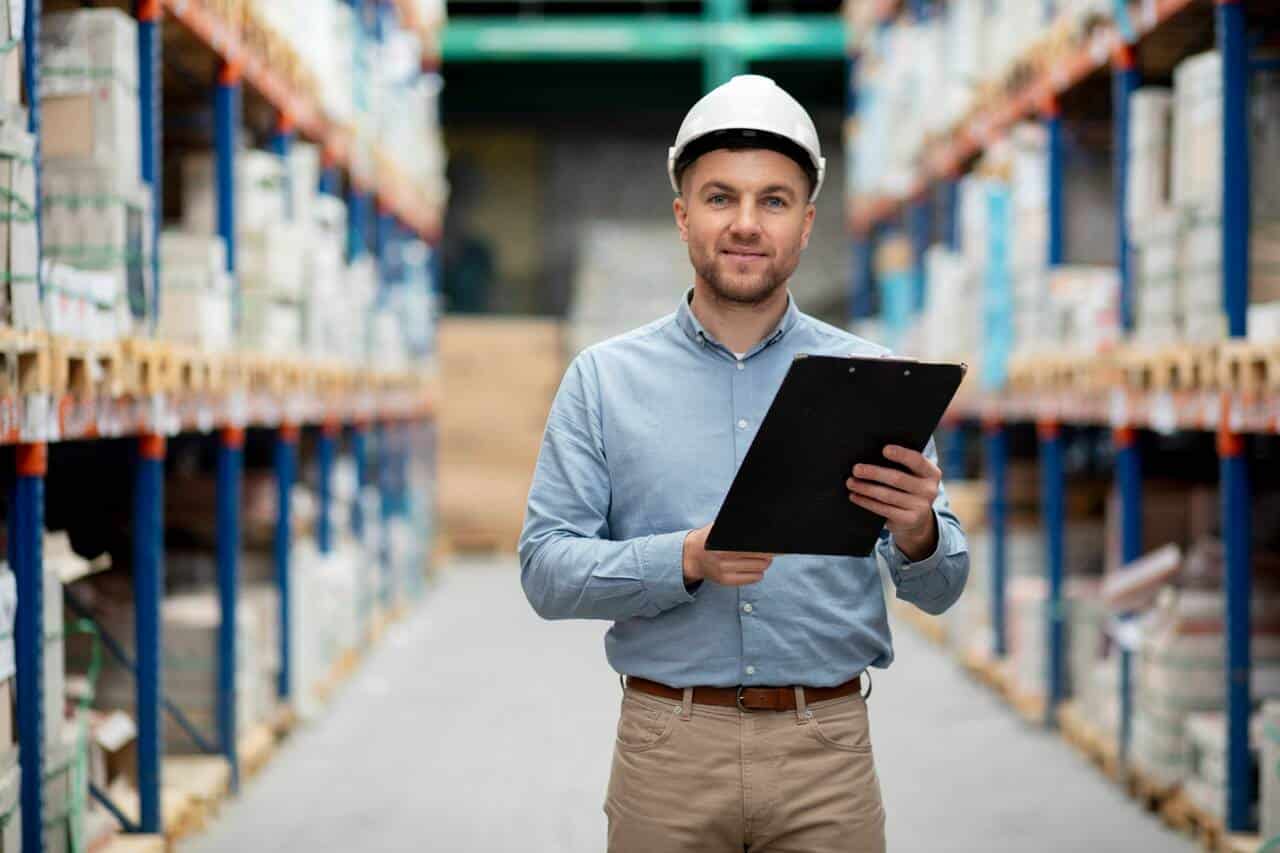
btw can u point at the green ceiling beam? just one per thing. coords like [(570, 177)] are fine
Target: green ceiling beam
[(643, 37)]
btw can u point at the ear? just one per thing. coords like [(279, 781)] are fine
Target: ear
[(809, 214), (681, 211)]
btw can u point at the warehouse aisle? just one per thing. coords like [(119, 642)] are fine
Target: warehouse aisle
[(477, 728)]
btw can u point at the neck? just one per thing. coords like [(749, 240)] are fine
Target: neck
[(737, 326)]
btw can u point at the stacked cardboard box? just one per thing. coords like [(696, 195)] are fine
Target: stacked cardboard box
[(96, 213), (195, 291), (512, 366), (19, 244)]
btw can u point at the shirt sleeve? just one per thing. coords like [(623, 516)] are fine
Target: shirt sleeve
[(934, 583), (569, 566)]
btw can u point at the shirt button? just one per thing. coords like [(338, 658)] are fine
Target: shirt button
[(741, 366), (751, 670), (747, 608), (742, 424)]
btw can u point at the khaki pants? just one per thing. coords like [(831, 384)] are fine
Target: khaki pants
[(710, 779)]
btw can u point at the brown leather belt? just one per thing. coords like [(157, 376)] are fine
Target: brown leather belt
[(747, 698)]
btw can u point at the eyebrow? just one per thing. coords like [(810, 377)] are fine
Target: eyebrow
[(772, 189)]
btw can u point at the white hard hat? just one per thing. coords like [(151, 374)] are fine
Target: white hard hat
[(750, 103)]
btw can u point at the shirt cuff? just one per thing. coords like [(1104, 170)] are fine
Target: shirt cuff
[(899, 563), (662, 561)]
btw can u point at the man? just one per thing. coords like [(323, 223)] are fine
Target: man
[(743, 725)]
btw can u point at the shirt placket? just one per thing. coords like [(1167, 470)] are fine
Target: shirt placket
[(744, 428)]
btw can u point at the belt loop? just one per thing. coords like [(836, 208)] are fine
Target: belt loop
[(686, 705), (803, 714), (622, 679), (867, 695)]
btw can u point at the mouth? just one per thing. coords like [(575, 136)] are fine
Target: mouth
[(744, 254)]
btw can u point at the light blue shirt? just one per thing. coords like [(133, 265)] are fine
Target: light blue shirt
[(642, 442)]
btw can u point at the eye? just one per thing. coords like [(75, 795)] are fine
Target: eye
[(717, 199), (776, 202)]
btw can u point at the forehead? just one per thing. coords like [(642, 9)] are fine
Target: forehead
[(746, 170)]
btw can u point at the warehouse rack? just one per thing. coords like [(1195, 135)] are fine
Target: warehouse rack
[(1231, 389), (58, 390)]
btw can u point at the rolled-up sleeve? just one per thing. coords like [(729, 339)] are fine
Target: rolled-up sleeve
[(934, 583), (569, 566)]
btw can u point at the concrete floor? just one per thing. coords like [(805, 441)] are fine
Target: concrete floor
[(477, 728)]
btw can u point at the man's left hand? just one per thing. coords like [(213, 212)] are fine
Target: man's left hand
[(904, 498)]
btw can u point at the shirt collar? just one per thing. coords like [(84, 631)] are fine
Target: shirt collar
[(698, 334)]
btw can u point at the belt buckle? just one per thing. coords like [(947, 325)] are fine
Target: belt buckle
[(742, 707)]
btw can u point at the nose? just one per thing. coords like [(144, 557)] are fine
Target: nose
[(746, 225)]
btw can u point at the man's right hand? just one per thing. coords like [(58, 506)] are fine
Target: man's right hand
[(727, 568)]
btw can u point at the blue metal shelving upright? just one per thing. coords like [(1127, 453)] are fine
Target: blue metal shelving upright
[(286, 463), (281, 145), (148, 592), (150, 112), (26, 532), (920, 228), (26, 536), (230, 475), (1052, 477), (1124, 81), (226, 120), (326, 450), (995, 439), (1234, 467)]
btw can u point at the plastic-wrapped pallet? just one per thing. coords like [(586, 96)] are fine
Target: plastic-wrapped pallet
[(1270, 770), (1206, 782), (94, 221), (1158, 296), (1180, 670), (1082, 309), (260, 192), (66, 791), (1150, 148), (19, 243)]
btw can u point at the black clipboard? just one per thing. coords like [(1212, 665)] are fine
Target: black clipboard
[(830, 413)]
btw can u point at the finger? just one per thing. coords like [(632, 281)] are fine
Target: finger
[(913, 459), (741, 579), (899, 480), (889, 513), (744, 565), (886, 495)]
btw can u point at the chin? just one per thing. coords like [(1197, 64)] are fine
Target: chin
[(746, 290)]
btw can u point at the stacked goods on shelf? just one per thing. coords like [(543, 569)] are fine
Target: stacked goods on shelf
[(486, 464), (96, 211), (896, 280), (1028, 236), (969, 620), (195, 291), (189, 666), (1270, 771), (1180, 665), (950, 325), (919, 79), (374, 85), (1150, 217), (19, 249), (324, 620), (1176, 225), (1206, 781), (10, 801)]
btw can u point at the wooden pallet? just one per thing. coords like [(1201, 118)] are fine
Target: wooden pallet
[(26, 363), (256, 748), (1087, 739), (1195, 367), (134, 844), (1030, 706), (1151, 793), (1249, 369), (342, 670), (150, 367), (283, 721), (1180, 813), (198, 372), (204, 781)]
